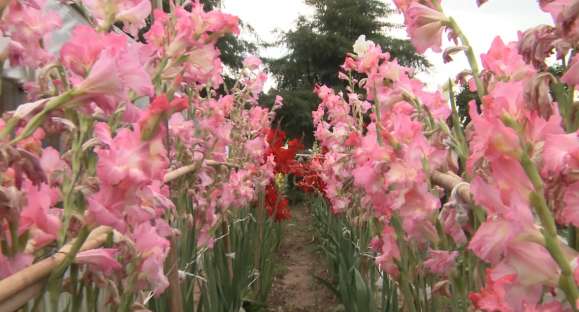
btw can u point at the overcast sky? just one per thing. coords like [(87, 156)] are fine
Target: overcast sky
[(481, 25)]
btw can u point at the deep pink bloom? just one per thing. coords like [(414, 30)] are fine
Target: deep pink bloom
[(494, 296)]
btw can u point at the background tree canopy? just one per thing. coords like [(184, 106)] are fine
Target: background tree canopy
[(317, 47)]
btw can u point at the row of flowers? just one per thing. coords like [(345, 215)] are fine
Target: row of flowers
[(509, 245), (135, 119)]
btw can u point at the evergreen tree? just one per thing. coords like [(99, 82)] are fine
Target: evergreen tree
[(318, 46)]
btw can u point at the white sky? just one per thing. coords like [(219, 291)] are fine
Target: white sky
[(481, 25)]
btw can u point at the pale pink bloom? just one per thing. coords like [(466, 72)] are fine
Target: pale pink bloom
[(505, 61), (570, 212), (11, 265), (156, 34), (107, 206), (564, 14), (389, 252), (181, 128), (106, 67), (571, 76), (452, 226), (29, 26), (532, 264), (424, 27), (101, 259), (37, 217), (127, 158), (131, 12), (256, 147), (203, 66), (365, 176), (560, 153), (440, 261), (153, 250), (252, 62), (492, 239), (502, 200), (416, 210), (437, 105), (103, 78), (491, 139), (219, 22), (53, 165), (85, 45)]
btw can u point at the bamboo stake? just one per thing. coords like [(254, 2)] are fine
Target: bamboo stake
[(450, 181), (175, 297), (33, 275), (22, 297)]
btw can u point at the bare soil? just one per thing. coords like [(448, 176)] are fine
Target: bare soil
[(294, 287)]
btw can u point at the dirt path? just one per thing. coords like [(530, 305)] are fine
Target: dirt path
[(294, 287)]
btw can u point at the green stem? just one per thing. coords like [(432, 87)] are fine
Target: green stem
[(472, 61), (537, 198), (55, 278), (461, 143), (39, 118)]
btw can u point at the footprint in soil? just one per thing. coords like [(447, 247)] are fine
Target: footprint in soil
[(294, 287)]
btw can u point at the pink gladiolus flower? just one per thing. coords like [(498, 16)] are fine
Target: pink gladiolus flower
[(560, 153), (153, 250), (571, 76), (440, 261), (220, 22), (11, 265), (492, 239), (491, 139), (505, 61), (36, 215), (494, 296), (84, 47), (103, 259), (389, 251), (570, 212), (252, 62), (29, 27), (128, 159), (106, 68), (131, 12), (204, 66), (532, 264), (424, 27)]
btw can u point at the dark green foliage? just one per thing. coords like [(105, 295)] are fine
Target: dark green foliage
[(463, 97), (316, 49), (354, 274)]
